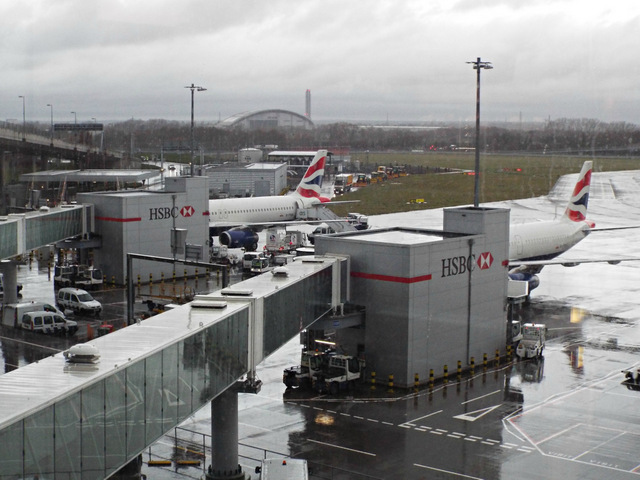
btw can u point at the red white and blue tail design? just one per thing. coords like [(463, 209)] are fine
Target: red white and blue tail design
[(577, 209), (311, 183)]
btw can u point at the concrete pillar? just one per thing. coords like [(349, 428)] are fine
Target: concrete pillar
[(224, 437), (9, 281)]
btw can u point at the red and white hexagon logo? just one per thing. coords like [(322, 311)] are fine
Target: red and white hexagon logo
[(187, 211), (485, 260)]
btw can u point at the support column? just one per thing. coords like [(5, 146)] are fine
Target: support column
[(9, 282), (224, 437)]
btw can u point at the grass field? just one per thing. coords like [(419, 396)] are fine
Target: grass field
[(499, 180)]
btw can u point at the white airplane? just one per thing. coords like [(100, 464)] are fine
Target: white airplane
[(236, 220), (534, 245)]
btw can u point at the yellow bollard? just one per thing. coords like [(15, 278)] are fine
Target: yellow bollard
[(373, 380), (445, 377), (139, 283), (390, 390), (431, 378), (473, 365), (459, 369), (484, 360), (416, 381), (113, 281), (497, 357)]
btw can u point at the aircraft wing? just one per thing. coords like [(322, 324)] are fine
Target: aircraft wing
[(258, 226), (606, 229), (569, 262)]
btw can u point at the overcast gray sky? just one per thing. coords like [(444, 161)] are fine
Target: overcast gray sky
[(400, 60)]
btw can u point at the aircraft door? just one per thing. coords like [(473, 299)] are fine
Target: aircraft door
[(519, 245)]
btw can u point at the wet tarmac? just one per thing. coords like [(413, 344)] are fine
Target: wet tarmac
[(566, 415)]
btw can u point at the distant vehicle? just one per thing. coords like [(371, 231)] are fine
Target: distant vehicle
[(311, 363), (359, 221), (80, 276), (80, 301), (322, 229), (283, 469), (249, 257), (533, 340), (260, 265), (279, 240), (172, 167), (48, 323), (12, 313), (343, 183)]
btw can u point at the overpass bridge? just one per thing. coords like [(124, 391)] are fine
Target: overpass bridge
[(86, 156), (68, 420)]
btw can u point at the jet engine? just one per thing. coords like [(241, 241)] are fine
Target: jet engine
[(239, 237)]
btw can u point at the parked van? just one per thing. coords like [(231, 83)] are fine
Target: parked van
[(49, 323), (78, 300), (12, 312)]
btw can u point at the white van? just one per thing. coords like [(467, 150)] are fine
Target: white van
[(78, 300), (49, 323), (283, 469), (12, 312)]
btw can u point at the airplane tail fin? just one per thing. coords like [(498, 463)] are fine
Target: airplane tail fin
[(577, 208), (311, 182)]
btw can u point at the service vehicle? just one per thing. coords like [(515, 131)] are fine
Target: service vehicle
[(343, 183), (322, 229), (358, 220), (249, 257), (311, 363), (80, 276), (362, 180), (279, 240), (12, 313), (78, 300), (631, 379), (341, 371), (283, 259), (260, 265), (48, 323), (283, 469), (533, 340)]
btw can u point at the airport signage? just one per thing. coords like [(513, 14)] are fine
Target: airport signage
[(162, 213), (85, 127), (459, 265)]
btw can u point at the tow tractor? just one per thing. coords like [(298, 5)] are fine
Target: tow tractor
[(341, 372), (311, 362), (533, 340), (325, 371)]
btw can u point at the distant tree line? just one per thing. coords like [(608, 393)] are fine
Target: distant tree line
[(564, 135)]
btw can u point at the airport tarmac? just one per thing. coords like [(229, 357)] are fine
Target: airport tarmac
[(566, 415)]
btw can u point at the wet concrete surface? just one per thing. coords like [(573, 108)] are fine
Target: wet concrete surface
[(567, 415)]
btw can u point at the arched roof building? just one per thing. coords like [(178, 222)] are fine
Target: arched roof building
[(267, 120)]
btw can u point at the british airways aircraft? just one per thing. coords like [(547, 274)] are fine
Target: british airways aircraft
[(534, 245), (236, 220)]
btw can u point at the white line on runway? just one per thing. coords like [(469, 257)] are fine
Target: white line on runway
[(342, 448), (483, 396), (412, 422), (446, 471)]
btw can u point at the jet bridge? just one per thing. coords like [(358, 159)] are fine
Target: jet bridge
[(87, 420)]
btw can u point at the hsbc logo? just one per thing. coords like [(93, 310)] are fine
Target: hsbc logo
[(161, 213), (187, 211), (485, 260), (459, 265)]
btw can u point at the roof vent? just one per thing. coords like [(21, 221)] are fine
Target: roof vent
[(202, 301), (236, 292), (82, 353)]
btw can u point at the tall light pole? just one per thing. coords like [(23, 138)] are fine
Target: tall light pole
[(24, 120), (193, 88), (477, 66), (51, 132), (75, 118)]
